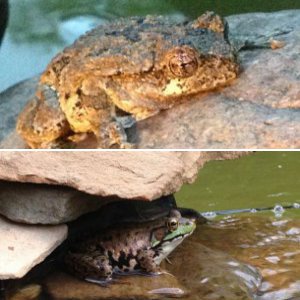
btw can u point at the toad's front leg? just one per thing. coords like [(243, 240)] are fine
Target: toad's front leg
[(42, 122), (90, 110), (112, 134)]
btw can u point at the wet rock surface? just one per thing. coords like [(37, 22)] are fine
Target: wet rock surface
[(63, 286), (259, 110), (25, 246)]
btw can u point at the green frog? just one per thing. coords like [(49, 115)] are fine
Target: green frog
[(131, 249)]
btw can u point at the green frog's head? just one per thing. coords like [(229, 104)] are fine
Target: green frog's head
[(165, 238)]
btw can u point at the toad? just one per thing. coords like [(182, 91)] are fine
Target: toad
[(127, 70)]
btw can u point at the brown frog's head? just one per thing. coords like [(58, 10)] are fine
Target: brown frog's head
[(173, 60), (188, 70), (154, 60), (199, 58)]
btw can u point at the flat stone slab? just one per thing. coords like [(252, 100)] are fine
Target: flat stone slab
[(24, 246), (259, 110), (127, 175), (44, 204)]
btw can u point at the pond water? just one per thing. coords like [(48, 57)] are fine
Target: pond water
[(269, 240), (235, 256), (38, 29)]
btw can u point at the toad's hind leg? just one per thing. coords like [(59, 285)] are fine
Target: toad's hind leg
[(93, 267), (42, 121)]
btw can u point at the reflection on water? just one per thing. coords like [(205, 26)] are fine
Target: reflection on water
[(267, 242)]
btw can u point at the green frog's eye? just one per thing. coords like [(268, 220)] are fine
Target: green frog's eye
[(183, 62), (172, 224)]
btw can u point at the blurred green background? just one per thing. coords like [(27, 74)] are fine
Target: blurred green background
[(38, 29)]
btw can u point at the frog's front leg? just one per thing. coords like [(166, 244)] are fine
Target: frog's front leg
[(42, 122), (93, 267), (147, 262)]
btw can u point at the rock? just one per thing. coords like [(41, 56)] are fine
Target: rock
[(127, 175), (25, 246), (259, 110), (62, 286), (213, 275), (41, 204), (16, 95)]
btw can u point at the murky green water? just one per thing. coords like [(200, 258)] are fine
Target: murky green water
[(38, 29), (262, 179)]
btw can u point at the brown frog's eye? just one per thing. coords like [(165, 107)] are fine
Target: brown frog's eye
[(172, 224), (183, 62)]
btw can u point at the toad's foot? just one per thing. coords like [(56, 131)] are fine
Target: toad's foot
[(267, 41), (126, 121), (114, 136)]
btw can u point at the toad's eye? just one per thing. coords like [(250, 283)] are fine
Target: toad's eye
[(183, 62), (172, 224)]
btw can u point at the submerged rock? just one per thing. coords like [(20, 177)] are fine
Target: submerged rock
[(259, 110), (266, 242), (62, 286)]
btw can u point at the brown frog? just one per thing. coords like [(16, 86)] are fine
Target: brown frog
[(137, 66)]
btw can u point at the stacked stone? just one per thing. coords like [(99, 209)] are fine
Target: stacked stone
[(41, 191)]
